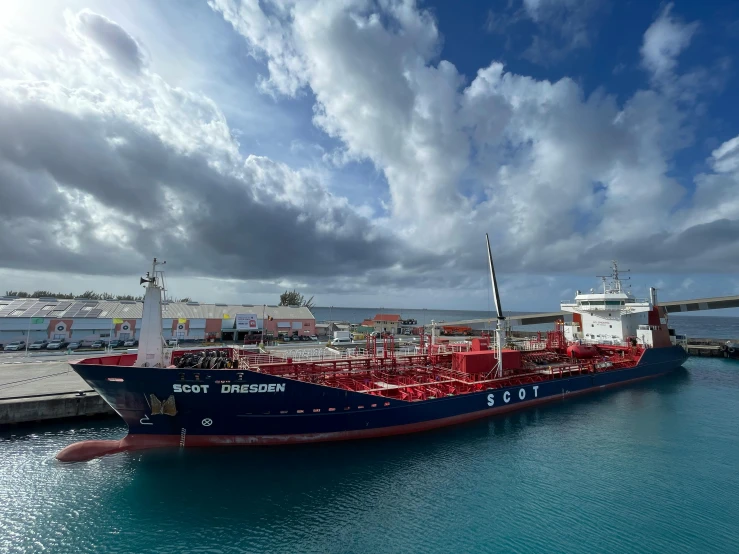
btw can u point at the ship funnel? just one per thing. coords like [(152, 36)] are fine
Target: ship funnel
[(653, 296)]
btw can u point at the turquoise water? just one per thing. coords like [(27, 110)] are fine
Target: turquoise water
[(649, 468)]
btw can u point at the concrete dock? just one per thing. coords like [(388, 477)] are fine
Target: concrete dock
[(33, 391), (711, 348)]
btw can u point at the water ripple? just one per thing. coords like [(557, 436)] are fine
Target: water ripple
[(649, 468)]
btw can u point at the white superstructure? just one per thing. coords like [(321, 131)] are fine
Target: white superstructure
[(613, 316), (151, 343)]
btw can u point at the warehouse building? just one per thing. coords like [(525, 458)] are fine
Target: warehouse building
[(84, 320)]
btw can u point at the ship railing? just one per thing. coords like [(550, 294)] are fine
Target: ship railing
[(449, 348), (316, 355), (596, 342), (528, 345), (313, 354), (248, 360)]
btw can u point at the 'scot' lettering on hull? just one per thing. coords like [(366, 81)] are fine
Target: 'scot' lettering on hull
[(507, 395), (252, 389), (190, 388)]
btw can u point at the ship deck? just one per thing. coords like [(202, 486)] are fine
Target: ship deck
[(432, 372), (418, 378), (427, 374)]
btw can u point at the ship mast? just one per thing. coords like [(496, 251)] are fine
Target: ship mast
[(151, 343), (615, 285), (499, 329)]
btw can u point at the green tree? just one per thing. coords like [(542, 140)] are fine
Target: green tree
[(16, 293), (88, 295), (128, 297), (294, 298)]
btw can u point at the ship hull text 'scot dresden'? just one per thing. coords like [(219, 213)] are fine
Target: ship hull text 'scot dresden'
[(228, 396)]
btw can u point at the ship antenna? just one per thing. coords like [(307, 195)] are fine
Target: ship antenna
[(615, 278), (499, 329)]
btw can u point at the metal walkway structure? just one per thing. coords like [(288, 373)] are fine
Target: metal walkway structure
[(714, 303), (672, 306)]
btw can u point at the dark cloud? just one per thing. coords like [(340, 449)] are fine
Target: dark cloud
[(172, 205), (178, 207), (113, 39), (710, 247)]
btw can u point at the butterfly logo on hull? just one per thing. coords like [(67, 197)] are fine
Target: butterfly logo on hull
[(166, 407)]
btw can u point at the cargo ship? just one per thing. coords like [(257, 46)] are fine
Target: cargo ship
[(232, 396)]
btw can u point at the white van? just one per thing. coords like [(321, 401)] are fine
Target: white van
[(342, 340)]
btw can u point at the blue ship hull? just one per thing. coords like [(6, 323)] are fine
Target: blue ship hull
[(201, 407)]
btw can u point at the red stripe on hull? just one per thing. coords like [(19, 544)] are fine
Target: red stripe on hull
[(87, 450)]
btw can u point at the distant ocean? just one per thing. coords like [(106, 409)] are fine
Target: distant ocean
[(717, 327)]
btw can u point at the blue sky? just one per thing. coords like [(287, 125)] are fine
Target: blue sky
[(360, 151)]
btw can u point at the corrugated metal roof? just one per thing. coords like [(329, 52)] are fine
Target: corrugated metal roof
[(107, 309)]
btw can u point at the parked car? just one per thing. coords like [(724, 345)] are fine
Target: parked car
[(115, 343), (131, 342), (15, 345), (56, 344), (38, 344), (98, 344), (171, 342), (313, 338), (73, 345)]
